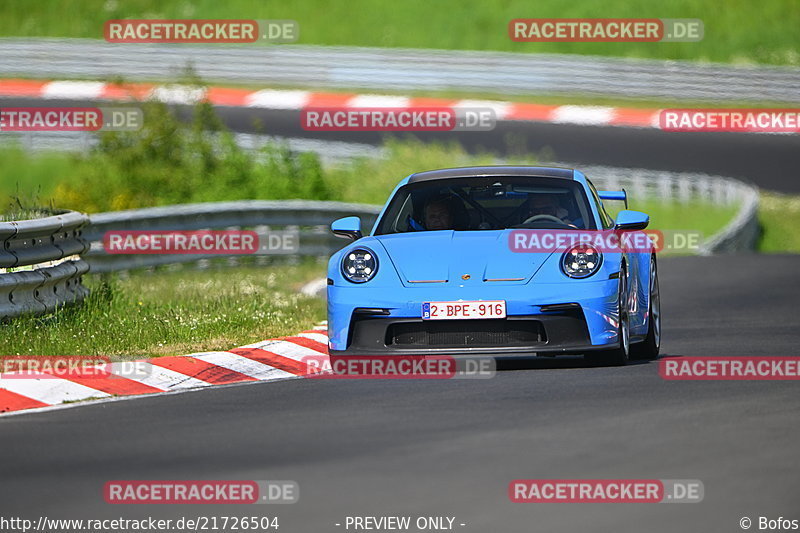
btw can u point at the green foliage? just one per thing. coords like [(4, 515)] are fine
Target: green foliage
[(169, 162)]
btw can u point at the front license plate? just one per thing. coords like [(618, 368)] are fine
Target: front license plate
[(460, 310)]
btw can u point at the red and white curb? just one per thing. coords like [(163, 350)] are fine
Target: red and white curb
[(297, 100), (269, 360)]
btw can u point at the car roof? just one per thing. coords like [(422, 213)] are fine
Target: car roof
[(492, 171)]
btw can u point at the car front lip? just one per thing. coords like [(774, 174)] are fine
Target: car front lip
[(565, 332), (502, 351)]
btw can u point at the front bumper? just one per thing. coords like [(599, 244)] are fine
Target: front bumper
[(556, 333), (360, 324)]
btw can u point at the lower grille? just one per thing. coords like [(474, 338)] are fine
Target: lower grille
[(466, 333)]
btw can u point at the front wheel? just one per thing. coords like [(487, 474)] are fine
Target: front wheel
[(617, 356), (649, 348)]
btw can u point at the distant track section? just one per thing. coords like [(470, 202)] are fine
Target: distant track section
[(341, 67)]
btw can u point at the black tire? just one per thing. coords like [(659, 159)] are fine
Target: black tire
[(621, 355), (648, 349)]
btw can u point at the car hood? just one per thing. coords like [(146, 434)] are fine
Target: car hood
[(449, 256)]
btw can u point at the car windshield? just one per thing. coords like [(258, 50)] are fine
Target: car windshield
[(495, 203)]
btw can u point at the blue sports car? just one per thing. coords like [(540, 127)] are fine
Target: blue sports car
[(500, 260)]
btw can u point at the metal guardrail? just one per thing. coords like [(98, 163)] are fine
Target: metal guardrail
[(40, 267), (402, 69), (742, 233), (310, 218), (739, 235)]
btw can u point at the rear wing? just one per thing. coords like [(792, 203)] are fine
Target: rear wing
[(614, 195)]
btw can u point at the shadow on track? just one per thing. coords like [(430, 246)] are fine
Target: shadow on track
[(550, 363)]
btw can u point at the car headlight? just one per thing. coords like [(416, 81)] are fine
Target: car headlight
[(581, 261), (359, 265)]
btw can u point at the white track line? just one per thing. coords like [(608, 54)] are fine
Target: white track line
[(579, 114), (166, 379), (278, 99), (286, 349), (50, 390), (178, 94), (319, 337), (378, 100), (73, 89), (243, 365)]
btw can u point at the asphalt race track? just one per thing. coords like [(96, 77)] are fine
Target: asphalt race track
[(771, 161), (450, 448)]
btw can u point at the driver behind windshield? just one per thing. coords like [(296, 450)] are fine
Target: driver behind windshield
[(547, 206), (439, 214)]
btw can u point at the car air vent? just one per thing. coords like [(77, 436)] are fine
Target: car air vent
[(467, 333)]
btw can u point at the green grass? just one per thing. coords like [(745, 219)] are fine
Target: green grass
[(779, 216), (174, 313), (17, 212), (693, 216), (741, 31), (684, 219), (28, 179)]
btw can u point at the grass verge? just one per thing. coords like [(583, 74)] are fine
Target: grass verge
[(173, 313), (779, 216), (684, 219)]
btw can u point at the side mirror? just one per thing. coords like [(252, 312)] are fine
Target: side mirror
[(347, 227), (631, 220)]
